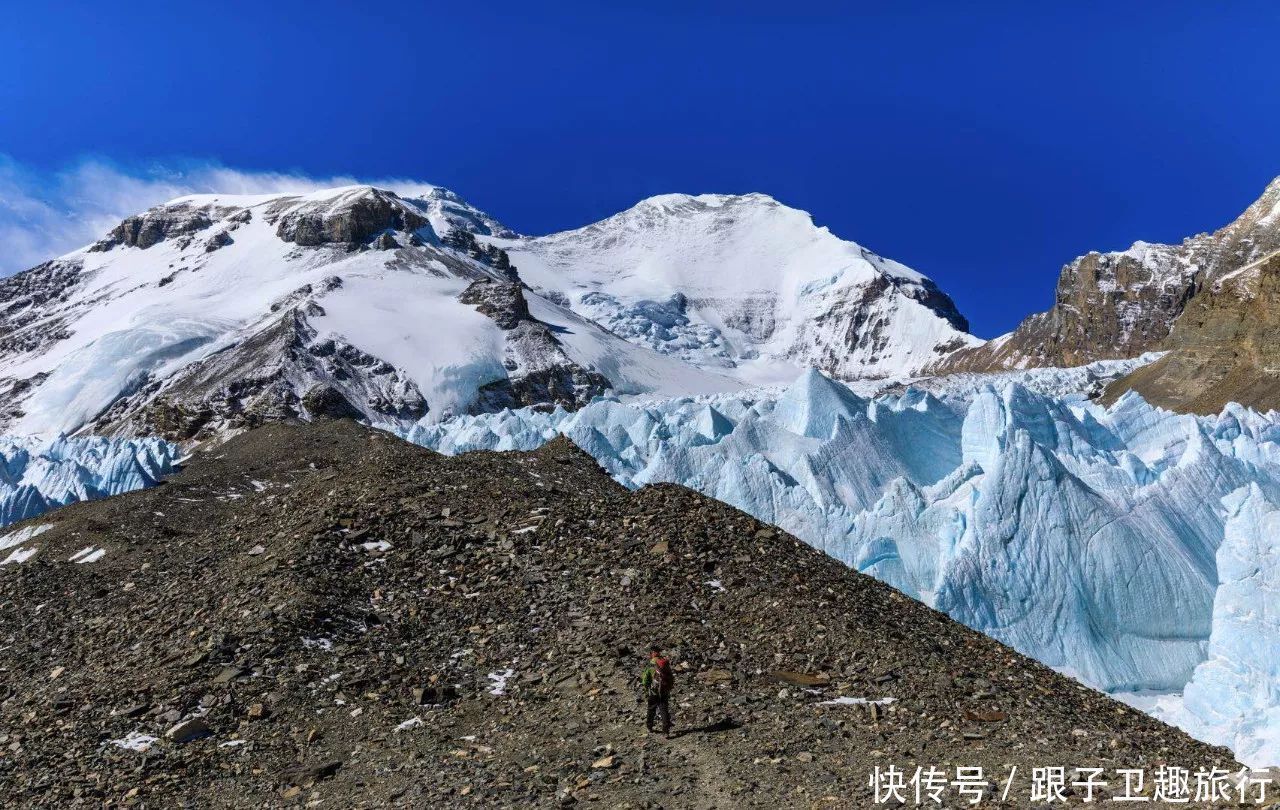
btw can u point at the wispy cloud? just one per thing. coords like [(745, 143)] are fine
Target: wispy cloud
[(47, 213)]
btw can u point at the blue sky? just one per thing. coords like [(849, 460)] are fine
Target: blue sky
[(984, 144)]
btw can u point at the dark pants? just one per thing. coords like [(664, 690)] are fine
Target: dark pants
[(659, 705)]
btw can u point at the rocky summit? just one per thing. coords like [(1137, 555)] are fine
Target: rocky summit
[(325, 615), (1206, 302)]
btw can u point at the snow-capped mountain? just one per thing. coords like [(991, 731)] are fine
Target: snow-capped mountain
[(744, 283), (1201, 300), (214, 312), (1128, 545)]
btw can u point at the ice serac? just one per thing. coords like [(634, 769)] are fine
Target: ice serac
[(37, 475), (1090, 537), (743, 282), (214, 313), (1234, 695), (1208, 302)]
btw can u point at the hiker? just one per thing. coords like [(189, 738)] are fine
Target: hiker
[(657, 680)]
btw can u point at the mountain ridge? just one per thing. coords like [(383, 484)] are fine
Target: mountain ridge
[(1124, 303), (218, 312)]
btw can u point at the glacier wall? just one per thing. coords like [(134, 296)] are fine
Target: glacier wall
[(37, 475), (1131, 547)]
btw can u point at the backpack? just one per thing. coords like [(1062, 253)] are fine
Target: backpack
[(663, 678)]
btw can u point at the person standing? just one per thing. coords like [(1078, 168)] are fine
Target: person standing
[(657, 681)]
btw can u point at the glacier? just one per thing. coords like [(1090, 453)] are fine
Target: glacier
[(39, 474), (1131, 547)]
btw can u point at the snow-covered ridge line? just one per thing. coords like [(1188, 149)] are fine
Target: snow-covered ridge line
[(1091, 538), (37, 474)]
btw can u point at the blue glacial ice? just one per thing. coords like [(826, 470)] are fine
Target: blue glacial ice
[(37, 475), (1133, 548)]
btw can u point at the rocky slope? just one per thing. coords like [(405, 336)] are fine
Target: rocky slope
[(1155, 297), (326, 614), (1100, 541)]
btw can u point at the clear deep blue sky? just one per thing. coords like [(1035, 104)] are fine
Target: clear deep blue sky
[(983, 143)]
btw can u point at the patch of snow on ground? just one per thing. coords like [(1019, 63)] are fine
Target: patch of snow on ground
[(20, 555), (17, 538), (500, 681), (88, 554), (135, 741), (856, 701)]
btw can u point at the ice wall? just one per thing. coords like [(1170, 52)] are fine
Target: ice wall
[(40, 474)]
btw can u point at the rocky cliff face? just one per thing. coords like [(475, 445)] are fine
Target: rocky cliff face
[(1119, 305), (286, 370), (1224, 348), (353, 218), (157, 225), (539, 371)]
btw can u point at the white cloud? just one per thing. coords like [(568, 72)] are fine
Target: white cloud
[(44, 214)]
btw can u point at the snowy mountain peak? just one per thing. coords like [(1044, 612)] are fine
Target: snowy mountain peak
[(678, 203), (746, 283)]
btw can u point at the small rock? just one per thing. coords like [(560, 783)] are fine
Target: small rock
[(189, 730), (306, 777), (985, 716), (133, 710)]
